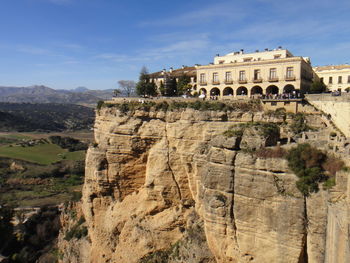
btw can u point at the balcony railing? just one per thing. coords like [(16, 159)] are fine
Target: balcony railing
[(242, 81), (202, 83), (228, 81), (289, 78), (215, 82), (257, 80), (273, 79)]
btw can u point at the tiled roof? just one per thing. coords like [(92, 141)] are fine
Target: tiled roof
[(189, 71), (332, 67)]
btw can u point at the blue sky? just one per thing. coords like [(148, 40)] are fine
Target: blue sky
[(64, 44)]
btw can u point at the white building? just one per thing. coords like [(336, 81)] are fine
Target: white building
[(335, 77)]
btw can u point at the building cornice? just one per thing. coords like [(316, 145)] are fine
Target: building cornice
[(254, 63)]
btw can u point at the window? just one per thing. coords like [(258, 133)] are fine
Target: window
[(215, 77), (277, 56), (290, 72), (202, 78), (228, 76), (242, 75), (348, 79), (221, 61), (340, 79), (273, 73), (321, 79), (247, 59), (330, 80), (257, 75)]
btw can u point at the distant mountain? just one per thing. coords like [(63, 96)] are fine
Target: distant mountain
[(79, 89), (43, 94)]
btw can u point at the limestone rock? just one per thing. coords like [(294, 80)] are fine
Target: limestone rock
[(157, 179)]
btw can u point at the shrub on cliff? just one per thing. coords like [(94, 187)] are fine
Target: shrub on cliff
[(265, 129), (276, 152), (298, 124), (77, 231), (312, 166)]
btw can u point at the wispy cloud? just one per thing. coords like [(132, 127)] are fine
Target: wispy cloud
[(217, 12), (159, 50)]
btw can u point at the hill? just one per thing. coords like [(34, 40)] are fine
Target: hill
[(43, 94), (44, 117)]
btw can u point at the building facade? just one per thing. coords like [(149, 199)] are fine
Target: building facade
[(335, 77), (165, 78), (269, 72)]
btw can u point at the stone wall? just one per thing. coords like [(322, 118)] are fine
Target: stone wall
[(337, 106)]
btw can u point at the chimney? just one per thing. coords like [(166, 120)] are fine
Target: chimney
[(266, 49), (242, 51), (171, 69)]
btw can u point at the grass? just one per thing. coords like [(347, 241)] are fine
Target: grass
[(74, 156), (40, 154)]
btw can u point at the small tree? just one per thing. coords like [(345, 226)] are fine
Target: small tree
[(127, 86), (145, 87), (183, 85), (116, 92), (317, 87), (170, 87)]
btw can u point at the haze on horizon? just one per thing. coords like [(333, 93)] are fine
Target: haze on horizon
[(65, 44)]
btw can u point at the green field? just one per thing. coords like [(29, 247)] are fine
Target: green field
[(41, 154)]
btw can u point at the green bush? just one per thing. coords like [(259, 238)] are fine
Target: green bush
[(100, 104), (234, 133), (307, 163), (77, 231), (298, 124), (329, 183), (265, 129)]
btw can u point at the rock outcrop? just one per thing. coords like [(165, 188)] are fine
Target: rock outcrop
[(170, 185)]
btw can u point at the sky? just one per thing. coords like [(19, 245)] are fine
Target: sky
[(64, 44)]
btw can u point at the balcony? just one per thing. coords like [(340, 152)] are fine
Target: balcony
[(215, 82), (257, 80), (242, 81), (289, 78), (203, 83), (273, 79), (228, 81)]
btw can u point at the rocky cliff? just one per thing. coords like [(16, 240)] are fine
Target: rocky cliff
[(171, 187)]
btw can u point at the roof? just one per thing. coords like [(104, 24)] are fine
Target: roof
[(188, 71), (332, 67)]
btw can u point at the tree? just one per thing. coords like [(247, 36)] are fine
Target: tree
[(116, 92), (170, 86), (6, 227), (183, 85), (317, 86), (127, 86), (145, 87)]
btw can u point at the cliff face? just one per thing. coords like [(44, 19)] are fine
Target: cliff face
[(172, 185)]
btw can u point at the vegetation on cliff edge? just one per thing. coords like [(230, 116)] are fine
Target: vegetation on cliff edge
[(172, 105)]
